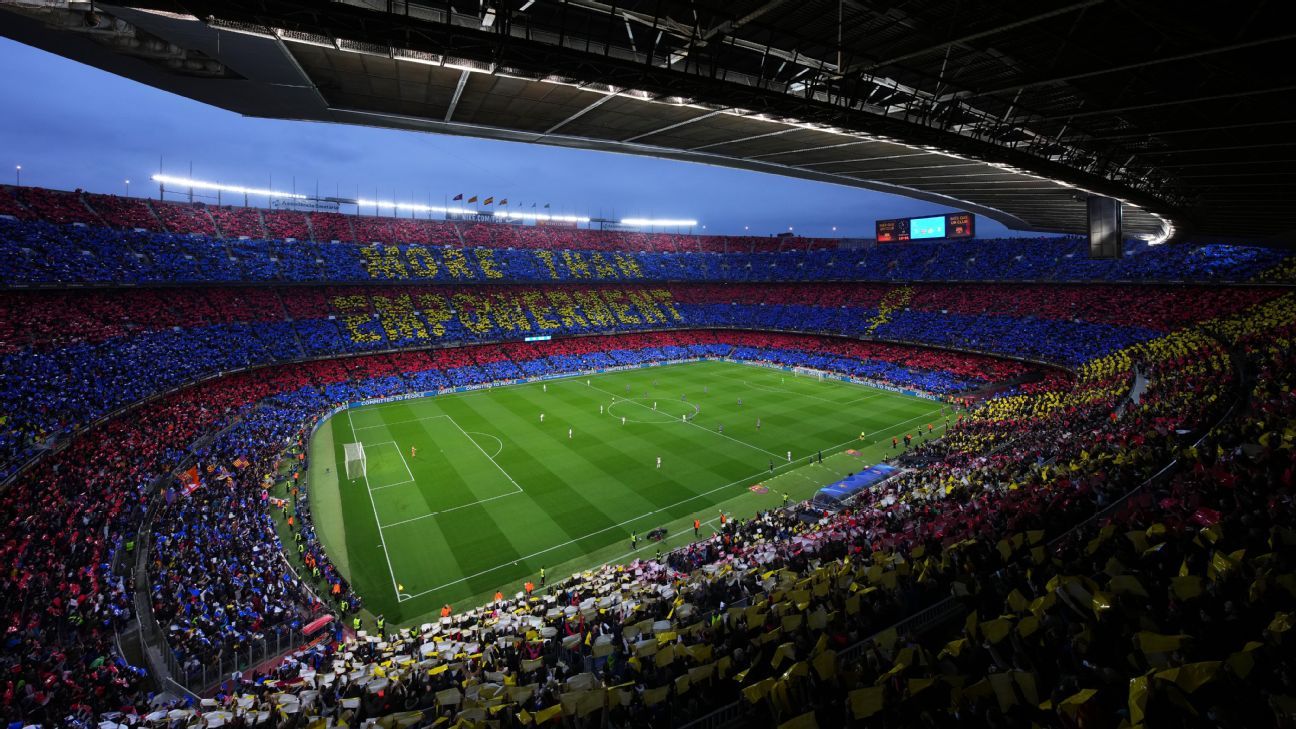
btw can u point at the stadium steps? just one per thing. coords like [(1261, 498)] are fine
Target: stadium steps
[(265, 229), (459, 235), (301, 346), (310, 228), (94, 214), (149, 204)]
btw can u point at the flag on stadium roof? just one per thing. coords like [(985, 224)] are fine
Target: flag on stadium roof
[(488, 200), (472, 199), (457, 197), (503, 201)]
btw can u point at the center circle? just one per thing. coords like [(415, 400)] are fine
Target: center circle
[(640, 410)]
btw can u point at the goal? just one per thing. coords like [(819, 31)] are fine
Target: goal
[(355, 460), (807, 372)]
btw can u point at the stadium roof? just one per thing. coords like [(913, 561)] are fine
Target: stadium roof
[(1014, 109)]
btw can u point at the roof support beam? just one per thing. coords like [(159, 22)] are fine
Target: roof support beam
[(864, 159), (1125, 67), (454, 100), (669, 127), (810, 149), (744, 139), (1191, 130), (1172, 102), (601, 101), (975, 36), (730, 26), (1266, 145)]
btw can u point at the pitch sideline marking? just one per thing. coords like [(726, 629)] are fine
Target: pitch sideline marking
[(637, 518), (387, 555)]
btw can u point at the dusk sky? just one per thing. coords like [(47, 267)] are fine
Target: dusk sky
[(72, 126)]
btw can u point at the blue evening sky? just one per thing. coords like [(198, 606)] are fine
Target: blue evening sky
[(72, 126)]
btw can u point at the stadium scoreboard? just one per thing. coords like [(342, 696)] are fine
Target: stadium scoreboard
[(931, 227)]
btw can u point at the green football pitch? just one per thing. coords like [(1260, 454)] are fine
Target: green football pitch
[(494, 492)]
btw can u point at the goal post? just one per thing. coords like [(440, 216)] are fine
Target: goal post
[(355, 460), (807, 372)]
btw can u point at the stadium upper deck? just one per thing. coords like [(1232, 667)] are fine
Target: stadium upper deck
[(53, 238)]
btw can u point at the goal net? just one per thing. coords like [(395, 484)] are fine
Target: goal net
[(355, 460), (807, 372)]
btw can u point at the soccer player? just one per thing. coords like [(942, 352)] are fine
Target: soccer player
[(789, 456), (413, 451), (569, 434), (654, 404), (659, 461), (623, 420), (757, 423), (600, 409), (740, 402), (720, 428), (861, 435), (546, 387), (542, 417)]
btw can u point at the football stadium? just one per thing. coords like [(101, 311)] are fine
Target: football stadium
[(847, 365)]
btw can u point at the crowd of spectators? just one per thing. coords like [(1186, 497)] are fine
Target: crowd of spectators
[(72, 357), (218, 579), (1171, 607), (237, 222), (1026, 463), (1180, 597), (440, 251)]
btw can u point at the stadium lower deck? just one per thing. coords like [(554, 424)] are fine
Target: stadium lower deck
[(166, 514)]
